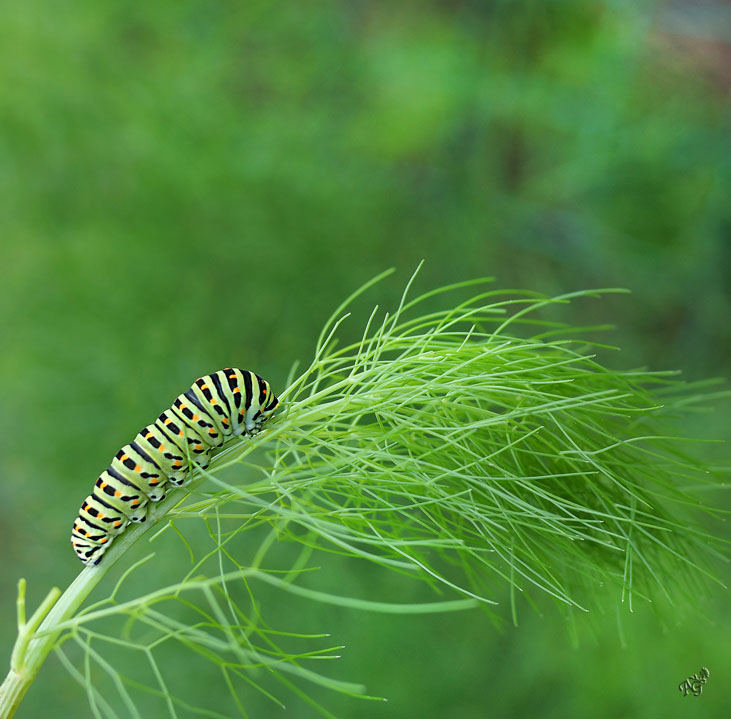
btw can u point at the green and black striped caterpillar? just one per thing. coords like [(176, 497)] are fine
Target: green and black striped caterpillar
[(227, 403)]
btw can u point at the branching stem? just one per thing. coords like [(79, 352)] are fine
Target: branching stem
[(437, 447), (37, 637)]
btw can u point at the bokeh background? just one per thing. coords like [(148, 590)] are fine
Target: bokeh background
[(189, 185)]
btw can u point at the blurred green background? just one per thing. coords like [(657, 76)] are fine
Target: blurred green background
[(189, 185)]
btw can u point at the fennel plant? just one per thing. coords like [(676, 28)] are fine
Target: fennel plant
[(473, 447)]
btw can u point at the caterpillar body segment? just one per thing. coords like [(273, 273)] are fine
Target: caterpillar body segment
[(139, 469), (166, 454)]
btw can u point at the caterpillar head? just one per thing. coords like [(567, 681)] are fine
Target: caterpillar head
[(262, 408)]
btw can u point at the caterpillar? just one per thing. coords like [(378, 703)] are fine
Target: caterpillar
[(227, 403)]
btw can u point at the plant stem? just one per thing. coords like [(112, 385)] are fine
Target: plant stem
[(37, 637), (32, 647)]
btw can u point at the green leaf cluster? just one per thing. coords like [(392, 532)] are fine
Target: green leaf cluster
[(473, 444)]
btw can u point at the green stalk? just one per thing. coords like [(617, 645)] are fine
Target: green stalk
[(38, 636), (437, 446)]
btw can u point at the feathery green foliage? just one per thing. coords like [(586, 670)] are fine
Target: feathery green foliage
[(470, 447)]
